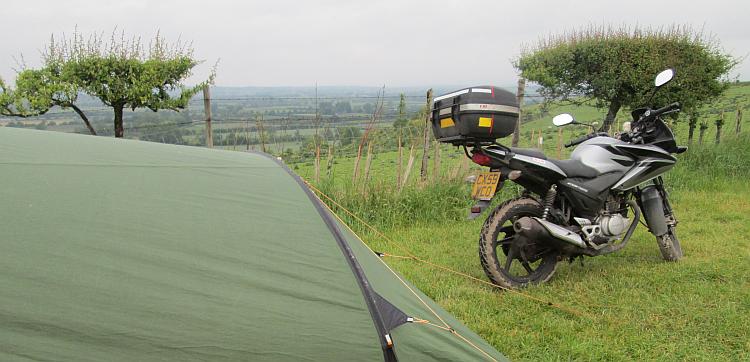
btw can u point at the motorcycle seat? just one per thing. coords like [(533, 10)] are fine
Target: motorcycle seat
[(529, 152), (575, 168)]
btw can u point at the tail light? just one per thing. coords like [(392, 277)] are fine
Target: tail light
[(481, 159)]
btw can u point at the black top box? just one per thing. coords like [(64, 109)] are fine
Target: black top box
[(479, 114)]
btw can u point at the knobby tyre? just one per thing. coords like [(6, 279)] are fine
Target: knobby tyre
[(669, 245), (507, 261)]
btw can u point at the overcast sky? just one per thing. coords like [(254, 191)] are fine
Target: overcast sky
[(351, 42)]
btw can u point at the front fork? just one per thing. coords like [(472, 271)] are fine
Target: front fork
[(668, 213), (654, 202)]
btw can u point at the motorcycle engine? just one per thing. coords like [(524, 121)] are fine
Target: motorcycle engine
[(613, 225)]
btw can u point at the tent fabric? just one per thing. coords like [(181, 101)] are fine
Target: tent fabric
[(116, 249)]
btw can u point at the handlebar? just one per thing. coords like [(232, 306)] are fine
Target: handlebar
[(668, 108), (649, 116)]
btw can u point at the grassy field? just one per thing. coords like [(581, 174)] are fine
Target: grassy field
[(628, 306)]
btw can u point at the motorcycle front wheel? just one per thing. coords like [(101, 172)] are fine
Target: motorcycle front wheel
[(669, 245), (507, 261)]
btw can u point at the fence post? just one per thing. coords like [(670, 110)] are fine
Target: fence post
[(702, 130), (207, 111), (329, 162), (409, 166), (519, 98), (368, 164), (399, 166), (436, 163), (317, 163), (426, 134), (738, 125)]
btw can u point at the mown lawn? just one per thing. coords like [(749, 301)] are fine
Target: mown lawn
[(633, 305)]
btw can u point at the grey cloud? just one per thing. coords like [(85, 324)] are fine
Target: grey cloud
[(339, 42)]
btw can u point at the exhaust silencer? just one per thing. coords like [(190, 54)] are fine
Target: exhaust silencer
[(535, 228)]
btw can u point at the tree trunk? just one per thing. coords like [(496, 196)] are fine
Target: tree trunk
[(614, 107), (119, 130), (84, 118)]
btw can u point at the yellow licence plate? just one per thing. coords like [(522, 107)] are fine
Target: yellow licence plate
[(485, 186)]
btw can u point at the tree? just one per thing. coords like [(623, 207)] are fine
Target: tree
[(119, 72), (343, 107), (401, 121), (615, 67), (37, 91)]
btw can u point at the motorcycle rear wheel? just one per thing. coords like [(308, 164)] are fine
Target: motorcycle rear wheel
[(507, 262)]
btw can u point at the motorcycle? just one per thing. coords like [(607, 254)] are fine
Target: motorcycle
[(588, 205)]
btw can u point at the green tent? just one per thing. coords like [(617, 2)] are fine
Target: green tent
[(116, 249)]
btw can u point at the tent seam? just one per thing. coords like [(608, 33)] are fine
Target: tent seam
[(367, 292)]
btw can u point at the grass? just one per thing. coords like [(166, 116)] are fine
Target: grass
[(632, 305)]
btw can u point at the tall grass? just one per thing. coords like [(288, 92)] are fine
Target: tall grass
[(703, 168), (708, 167)]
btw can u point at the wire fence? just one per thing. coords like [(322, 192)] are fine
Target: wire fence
[(296, 127)]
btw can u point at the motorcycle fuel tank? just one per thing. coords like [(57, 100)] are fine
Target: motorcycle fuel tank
[(600, 154)]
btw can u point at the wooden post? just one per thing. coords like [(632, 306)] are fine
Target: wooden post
[(436, 163), (617, 127), (455, 172), (261, 135), (426, 135), (559, 142), (519, 98), (399, 165), (531, 138), (719, 125), (409, 166), (702, 130), (247, 133), (317, 163), (207, 111), (355, 174), (368, 164), (464, 167), (329, 163), (738, 121)]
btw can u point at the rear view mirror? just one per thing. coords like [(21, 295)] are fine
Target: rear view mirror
[(562, 119), (664, 77)]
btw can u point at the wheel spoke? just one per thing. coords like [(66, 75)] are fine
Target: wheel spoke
[(527, 267), (509, 258), (507, 240), (525, 262)]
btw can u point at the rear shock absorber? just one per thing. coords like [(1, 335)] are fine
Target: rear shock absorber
[(548, 200)]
